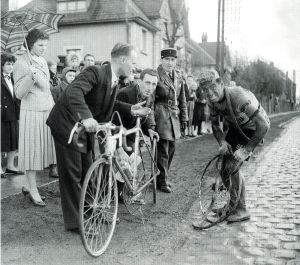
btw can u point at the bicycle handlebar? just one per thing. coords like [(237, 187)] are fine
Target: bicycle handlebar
[(121, 135)]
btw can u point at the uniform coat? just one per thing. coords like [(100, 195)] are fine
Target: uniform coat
[(10, 111), (168, 118), (170, 110)]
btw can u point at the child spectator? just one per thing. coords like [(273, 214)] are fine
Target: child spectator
[(10, 109), (73, 60), (54, 81), (68, 75)]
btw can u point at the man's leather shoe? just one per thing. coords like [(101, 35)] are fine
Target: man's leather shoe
[(238, 216), (166, 189), (9, 171), (53, 171), (212, 217), (169, 184)]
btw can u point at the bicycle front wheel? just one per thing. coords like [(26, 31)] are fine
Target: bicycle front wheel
[(98, 207)]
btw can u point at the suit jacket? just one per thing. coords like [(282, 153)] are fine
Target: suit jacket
[(58, 90), (88, 96), (168, 116), (34, 95), (10, 105), (131, 95)]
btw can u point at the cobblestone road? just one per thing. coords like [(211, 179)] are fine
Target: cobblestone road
[(272, 236)]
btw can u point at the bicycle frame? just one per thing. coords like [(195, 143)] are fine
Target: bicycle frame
[(110, 148)]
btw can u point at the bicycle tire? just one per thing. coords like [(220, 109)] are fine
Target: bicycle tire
[(139, 205), (98, 207), (153, 166), (218, 196)]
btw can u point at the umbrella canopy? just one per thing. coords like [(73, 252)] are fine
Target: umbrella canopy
[(16, 24)]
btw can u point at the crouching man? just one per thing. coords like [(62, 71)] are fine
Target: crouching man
[(248, 124)]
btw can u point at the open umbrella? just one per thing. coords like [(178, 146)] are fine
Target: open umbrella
[(16, 24)]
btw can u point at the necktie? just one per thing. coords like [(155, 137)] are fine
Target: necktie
[(7, 77)]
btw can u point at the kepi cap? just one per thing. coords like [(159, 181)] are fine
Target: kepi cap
[(168, 52)]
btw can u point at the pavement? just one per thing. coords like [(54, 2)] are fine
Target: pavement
[(272, 236)]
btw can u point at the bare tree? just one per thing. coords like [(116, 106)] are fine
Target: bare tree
[(179, 16)]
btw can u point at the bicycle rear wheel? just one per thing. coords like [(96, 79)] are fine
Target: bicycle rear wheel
[(154, 169), (98, 207), (141, 204), (217, 200)]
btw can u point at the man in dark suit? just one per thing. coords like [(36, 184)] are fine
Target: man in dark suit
[(137, 93), (170, 112), (91, 98), (10, 111)]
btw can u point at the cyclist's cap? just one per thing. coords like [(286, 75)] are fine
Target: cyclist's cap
[(208, 77)]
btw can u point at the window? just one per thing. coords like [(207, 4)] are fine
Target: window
[(77, 51), (144, 40), (74, 49), (72, 6), (62, 7)]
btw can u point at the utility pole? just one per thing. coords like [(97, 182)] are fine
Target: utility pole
[(294, 87), (223, 39), (127, 23), (218, 38)]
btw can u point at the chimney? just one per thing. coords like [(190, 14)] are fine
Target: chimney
[(204, 37)]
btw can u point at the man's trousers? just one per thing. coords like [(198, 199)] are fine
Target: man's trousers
[(165, 153), (72, 167)]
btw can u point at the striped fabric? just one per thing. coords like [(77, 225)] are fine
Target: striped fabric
[(36, 145), (16, 24)]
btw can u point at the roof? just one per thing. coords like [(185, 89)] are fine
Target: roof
[(199, 56), (150, 7), (211, 49), (42, 4), (99, 11)]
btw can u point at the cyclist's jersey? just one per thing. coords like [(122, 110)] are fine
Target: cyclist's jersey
[(244, 105)]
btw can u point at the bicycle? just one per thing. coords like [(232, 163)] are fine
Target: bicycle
[(99, 196), (217, 195)]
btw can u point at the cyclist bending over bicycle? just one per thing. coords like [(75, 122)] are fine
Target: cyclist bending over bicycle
[(248, 123)]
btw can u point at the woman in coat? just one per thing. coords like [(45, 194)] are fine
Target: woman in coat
[(10, 108), (32, 87)]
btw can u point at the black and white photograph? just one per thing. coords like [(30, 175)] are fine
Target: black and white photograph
[(150, 132)]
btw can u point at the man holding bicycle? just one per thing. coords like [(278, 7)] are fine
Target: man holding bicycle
[(90, 99), (248, 124)]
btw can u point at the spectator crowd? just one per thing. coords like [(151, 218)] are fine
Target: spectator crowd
[(39, 107)]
